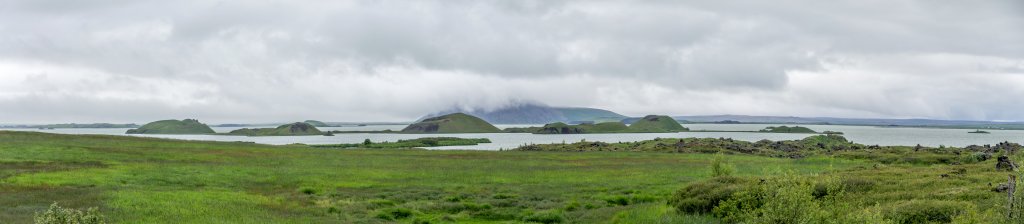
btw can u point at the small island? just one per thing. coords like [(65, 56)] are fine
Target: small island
[(451, 123), (174, 127), (293, 129), (979, 132), (412, 143), (562, 128), (656, 124), (647, 124), (787, 129)]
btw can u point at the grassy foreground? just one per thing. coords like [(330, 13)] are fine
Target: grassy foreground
[(144, 180)]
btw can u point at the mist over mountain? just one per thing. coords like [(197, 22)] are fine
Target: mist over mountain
[(533, 113)]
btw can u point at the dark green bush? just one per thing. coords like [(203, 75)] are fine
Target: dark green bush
[(498, 214), (394, 213), (852, 184), (503, 196), (307, 190), (702, 197), (617, 200), (545, 217), (926, 211)]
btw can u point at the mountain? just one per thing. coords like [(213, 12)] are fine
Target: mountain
[(187, 126), (538, 114), (853, 121), (657, 124), (452, 123), (293, 129)]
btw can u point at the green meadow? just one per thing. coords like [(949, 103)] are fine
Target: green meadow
[(150, 180), (147, 180)]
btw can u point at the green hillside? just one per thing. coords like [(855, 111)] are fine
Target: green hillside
[(656, 123), (293, 129), (452, 123), (187, 126)]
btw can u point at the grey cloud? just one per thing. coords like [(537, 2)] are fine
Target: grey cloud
[(258, 54)]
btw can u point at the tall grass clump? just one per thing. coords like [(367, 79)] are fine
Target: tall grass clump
[(721, 168), (60, 215)]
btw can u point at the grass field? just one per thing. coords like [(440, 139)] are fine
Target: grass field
[(145, 180)]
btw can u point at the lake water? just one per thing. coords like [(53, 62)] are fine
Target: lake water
[(860, 134)]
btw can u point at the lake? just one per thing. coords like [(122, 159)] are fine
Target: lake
[(860, 134)]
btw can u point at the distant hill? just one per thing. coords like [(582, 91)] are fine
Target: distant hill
[(452, 123), (657, 123), (853, 121), (187, 126), (538, 114), (317, 123), (293, 129)]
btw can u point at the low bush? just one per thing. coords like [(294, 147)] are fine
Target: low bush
[(59, 215), (927, 211), (545, 217), (702, 197), (307, 190), (394, 213)]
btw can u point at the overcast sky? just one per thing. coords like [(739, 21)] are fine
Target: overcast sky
[(268, 61)]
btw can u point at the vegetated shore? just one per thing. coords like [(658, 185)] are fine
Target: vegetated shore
[(150, 180)]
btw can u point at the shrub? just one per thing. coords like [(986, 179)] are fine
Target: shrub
[(617, 200), (545, 217), (394, 213), (792, 199), (59, 215), (926, 211), (702, 197), (503, 196), (307, 190)]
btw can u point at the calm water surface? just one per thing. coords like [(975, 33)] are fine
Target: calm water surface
[(860, 134)]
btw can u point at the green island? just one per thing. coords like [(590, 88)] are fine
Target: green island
[(451, 123), (656, 124), (411, 143), (979, 132), (787, 129), (293, 129), (819, 179), (186, 126), (647, 124)]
